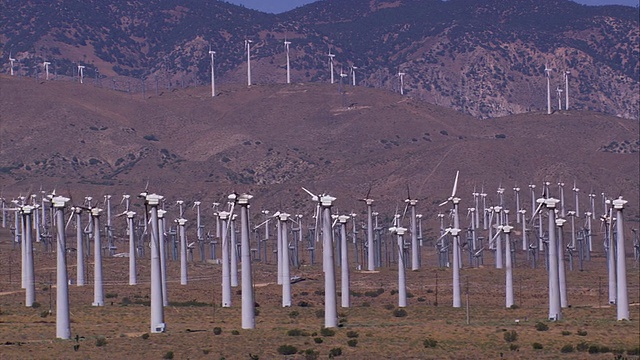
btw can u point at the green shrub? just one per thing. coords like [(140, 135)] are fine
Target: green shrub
[(111, 296), (566, 333), (514, 347), (634, 352), (44, 313), (293, 314), (297, 332), (540, 326), (35, 305), (318, 340), (399, 313), (235, 332), (217, 330), (567, 349), (537, 346), (510, 336), (311, 354), (287, 349), (335, 352), (430, 343), (581, 333), (593, 349), (168, 355), (604, 349), (352, 334), (352, 342), (101, 341), (582, 346), (327, 332), (145, 336)]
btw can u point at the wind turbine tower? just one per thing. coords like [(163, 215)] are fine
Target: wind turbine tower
[(46, 69), (157, 309), (247, 45), (248, 301), (63, 327), (547, 73), (11, 61), (567, 73), (622, 296), (81, 73), (401, 75), (353, 75), (213, 73), (331, 56), (559, 92), (286, 48)]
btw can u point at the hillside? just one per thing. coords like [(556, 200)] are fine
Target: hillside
[(484, 59), (272, 139)]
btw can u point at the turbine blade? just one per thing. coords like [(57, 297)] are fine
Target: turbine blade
[(455, 184), (444, 203), (308, 192)]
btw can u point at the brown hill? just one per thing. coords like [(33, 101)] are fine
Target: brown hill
[(270, 140)]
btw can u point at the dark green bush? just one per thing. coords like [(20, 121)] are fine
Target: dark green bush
[(582, 346), (287, 349), (510, 336), (399, 313), (634, 352), (217, 330), (581, 333), (327, 332), (318, 340), (145, 336), (168, 355), (537, 346), (593, 349), (235, 332), (101, 341), (540, 326), (297, 332), (352, 342), (311, 354), (565, 333), (335, 352), (567, 349), (514, 347), (352, 334), (293, 314), (430, 343)]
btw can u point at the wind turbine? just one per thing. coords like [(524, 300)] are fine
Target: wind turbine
[(46, 69), (157, 309), (330, 309), (547, 72), (622, 296), (63, 325), (226, 271), (353, 75), (286, 48), (213, 73), (567, 73), (247, 45), (11, 61), (559, 92), (248, 301), (331, 56), (283, 218), (455, 231), (402, 286), (415, 251), (183, 250), (516, 189), (370, 252), (27, 244), (555, 310), (77, 210), (401, 76), (163, 255), (98, 293), (132, 247), (81, 73), (344, 262)]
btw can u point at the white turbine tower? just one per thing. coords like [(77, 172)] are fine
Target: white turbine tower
[(46, 69), (370, 252), (622, 296), (183, 250), (247, 45), (284, 247), (559, 92), (455, 232), (98, 294), (157, 309), (63, 325), (11, 61), (567, 73), (330, 308), (226, 271), (555, 310), (81, 73), (402, 281), (132, 247), (353, 75), (401, 76), (547, 73), (79, 247), (248, 301), (344, 262), (213, 73), (28, 270), (506, 229), (286, 48), (331, 56)]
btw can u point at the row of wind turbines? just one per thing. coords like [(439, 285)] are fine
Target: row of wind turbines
[(332, 72), (30, 214)]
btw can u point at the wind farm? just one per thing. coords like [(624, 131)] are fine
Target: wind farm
[(309, 216)]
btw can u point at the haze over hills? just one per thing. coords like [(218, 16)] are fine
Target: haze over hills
[(272, 139), (485, 59)]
